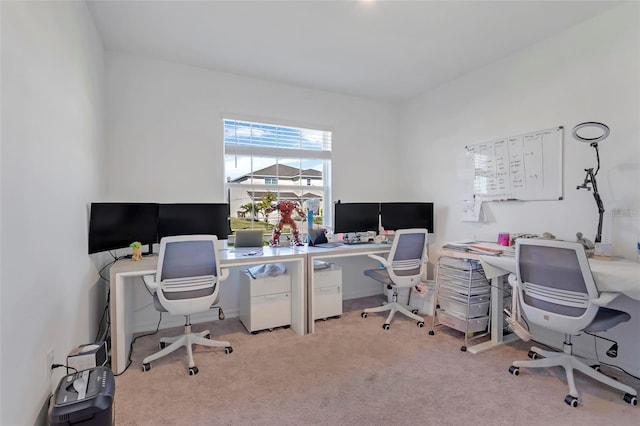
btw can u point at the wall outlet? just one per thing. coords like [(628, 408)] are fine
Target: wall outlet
[(50, 361)]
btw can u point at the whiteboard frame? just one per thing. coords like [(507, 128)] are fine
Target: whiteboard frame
[(524, 167)]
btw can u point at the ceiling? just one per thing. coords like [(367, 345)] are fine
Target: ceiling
[(387, 50)]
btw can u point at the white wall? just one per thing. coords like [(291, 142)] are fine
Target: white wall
[(164, 131), (164, 141), (590, 72), (52, 140)]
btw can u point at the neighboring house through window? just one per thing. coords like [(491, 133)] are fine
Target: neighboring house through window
[(265, 163)]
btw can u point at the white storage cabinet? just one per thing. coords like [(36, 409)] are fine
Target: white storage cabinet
[(327, 293), (265, 303)]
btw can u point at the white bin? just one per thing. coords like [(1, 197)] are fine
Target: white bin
[(424, 303)]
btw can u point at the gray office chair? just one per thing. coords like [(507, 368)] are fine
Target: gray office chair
[(557, 291), (402, 268), (187, 281)]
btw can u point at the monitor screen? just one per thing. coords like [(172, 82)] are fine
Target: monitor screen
[(194, 219), (394, 216), (116, 225), (355, 217)]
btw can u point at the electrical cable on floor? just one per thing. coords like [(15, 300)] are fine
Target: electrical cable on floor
[(595, 347), (133, 341)]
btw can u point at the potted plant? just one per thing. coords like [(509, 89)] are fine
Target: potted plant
[(136, 247)]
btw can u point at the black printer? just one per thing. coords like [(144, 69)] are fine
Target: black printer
[(84, 398)]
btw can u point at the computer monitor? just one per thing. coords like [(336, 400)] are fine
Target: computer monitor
[(194, 219), (394, 216), (116, 225), (355, 217)]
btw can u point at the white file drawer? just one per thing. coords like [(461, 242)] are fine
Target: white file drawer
[(327, 293), (265, 303), (327, 301), (270, 311), (270, 285)]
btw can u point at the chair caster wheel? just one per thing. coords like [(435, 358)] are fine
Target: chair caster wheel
[(432, 333), (193, 370), (420, 324), (514, 370), (363, 315), (630, 399), (597, 368), (162, 345), (220, 314), (386, 326), (571, 400), (414, 311), (532, 355), (207, 336), (146, 367), (228, 349), (463, 348)]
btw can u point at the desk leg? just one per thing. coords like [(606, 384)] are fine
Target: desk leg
[(298, 296), (121, 334), (497, 319)]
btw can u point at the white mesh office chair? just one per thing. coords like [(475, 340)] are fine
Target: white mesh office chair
[(402, 268), (557, 291), (187, 281)]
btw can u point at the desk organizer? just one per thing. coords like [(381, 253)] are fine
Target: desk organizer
[(464, 298)]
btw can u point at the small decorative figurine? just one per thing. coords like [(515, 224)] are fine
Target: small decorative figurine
[(286, 209), (589, 246), (136, 247)]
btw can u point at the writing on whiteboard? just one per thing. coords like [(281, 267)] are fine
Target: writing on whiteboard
[(523, 167)]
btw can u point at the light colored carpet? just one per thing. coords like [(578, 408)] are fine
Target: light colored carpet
[(351, 372)]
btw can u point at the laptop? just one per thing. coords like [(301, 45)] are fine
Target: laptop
[(249, 238)]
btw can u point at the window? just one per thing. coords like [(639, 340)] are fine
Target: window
[(269, 162)]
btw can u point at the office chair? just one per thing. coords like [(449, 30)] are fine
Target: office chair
[(187, 281), (557, 291), (403, 268)]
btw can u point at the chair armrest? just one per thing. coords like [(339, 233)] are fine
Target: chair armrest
[(513, 280), (605, 298), (224, 274), (150, 281), (380, 259)]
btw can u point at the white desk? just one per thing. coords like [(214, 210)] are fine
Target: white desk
[(320, 253), (121, 292), (616, 275)]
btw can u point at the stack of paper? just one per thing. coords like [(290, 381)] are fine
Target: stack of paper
[(484, 250), (458, 245)]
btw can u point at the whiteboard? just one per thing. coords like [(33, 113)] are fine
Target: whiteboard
[(522, 167)]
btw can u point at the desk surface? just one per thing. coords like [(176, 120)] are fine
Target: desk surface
[(617, 275)]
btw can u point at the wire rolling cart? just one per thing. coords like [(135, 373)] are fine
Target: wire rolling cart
[(463, 298)]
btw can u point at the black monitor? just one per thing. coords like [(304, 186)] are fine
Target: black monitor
[(116, 225), (394, 216), (355, 217), (194, 219)]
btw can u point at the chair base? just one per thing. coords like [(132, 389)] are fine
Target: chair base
[(394, 307), (187, 340), (570, 363)]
